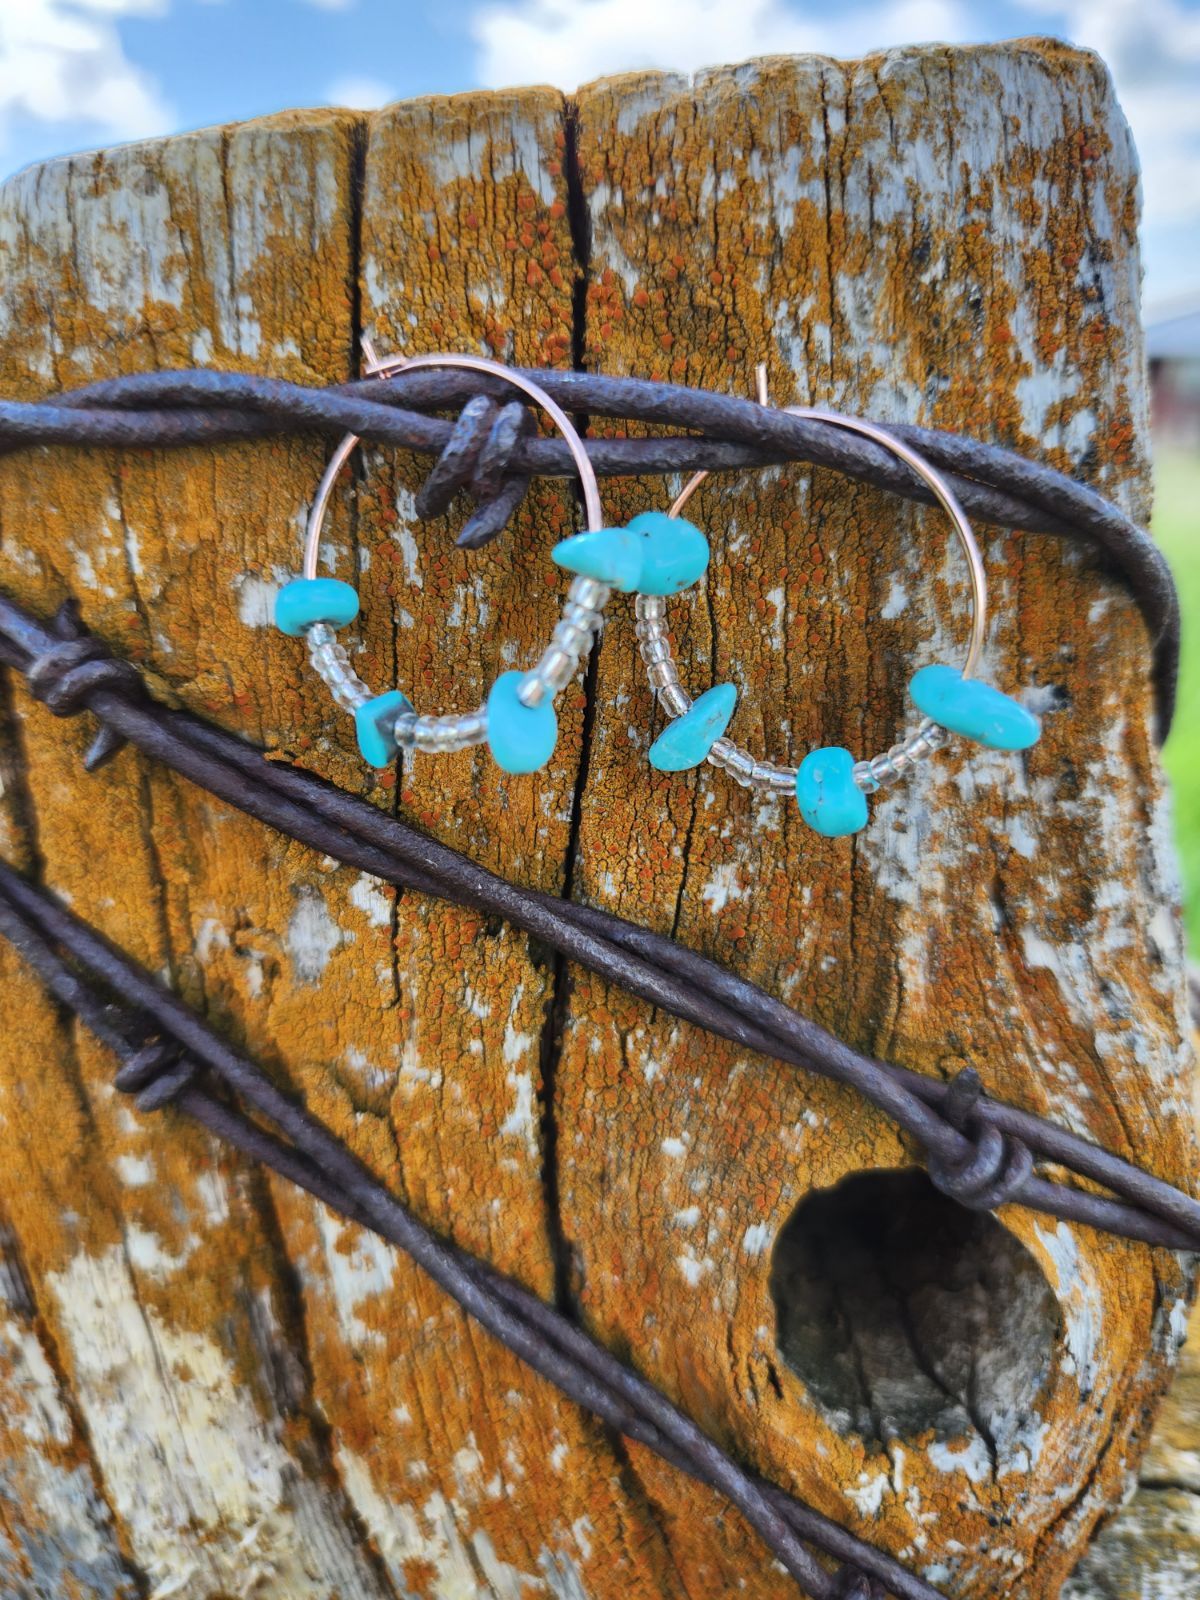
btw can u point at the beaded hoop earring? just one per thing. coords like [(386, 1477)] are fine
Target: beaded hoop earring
[(829, 784), (518, 721)]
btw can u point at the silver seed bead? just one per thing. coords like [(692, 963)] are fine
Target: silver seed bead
[(558, 668), (661, 675), (674, 698), (890, 767), (740, 767), (737, 762), (320, 633)]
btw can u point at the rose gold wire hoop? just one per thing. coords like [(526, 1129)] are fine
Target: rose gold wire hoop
[(580, 621), (914, 747)]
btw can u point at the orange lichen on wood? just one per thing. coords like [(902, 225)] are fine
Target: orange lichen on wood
[(893, 243), (254, 1395)]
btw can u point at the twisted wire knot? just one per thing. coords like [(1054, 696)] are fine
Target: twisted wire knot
[(476, 457), (995, 1169), (64, 674), (157, 1073)]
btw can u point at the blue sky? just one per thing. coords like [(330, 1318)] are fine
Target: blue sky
[(77, 73)]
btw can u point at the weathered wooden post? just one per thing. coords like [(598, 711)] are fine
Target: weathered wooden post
[(208, 1386)]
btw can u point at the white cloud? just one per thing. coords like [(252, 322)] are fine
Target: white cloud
[(358, 93), (564, 42), (63, 61)]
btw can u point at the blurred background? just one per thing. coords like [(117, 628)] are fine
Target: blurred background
[(79, 73)]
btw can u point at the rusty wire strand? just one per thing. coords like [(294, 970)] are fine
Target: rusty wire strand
[(169, 1054)]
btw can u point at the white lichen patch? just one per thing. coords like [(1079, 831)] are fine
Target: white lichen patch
[(1081, 1301), (969, 1456), (135, 1171), (359, 1267), (312, 935), (371, 898), (256, 599), (725, 883), (867, 1493), (694, 1268), (465, 1565), (521, 1121), (756, 1240)]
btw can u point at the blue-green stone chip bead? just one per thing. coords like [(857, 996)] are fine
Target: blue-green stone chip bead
[(307, 600), (830, 800), (686, 740), (610, 555), (375, 724), (521, 738), (675, 554), (976, 710)]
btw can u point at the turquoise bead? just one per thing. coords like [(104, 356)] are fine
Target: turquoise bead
[(307, 600), (374, 722), (686, 741), (610, 555), (830, 800), (521, 738), (675, 554), (976, 710)]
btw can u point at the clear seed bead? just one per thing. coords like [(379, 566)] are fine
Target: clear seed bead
[(778, 778), (535, 686), (583, 618), (654, 650), (589, 592), (472, 728), (573, 638)]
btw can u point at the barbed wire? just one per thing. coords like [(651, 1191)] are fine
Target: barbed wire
[(980, 1151), (492, 455)]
